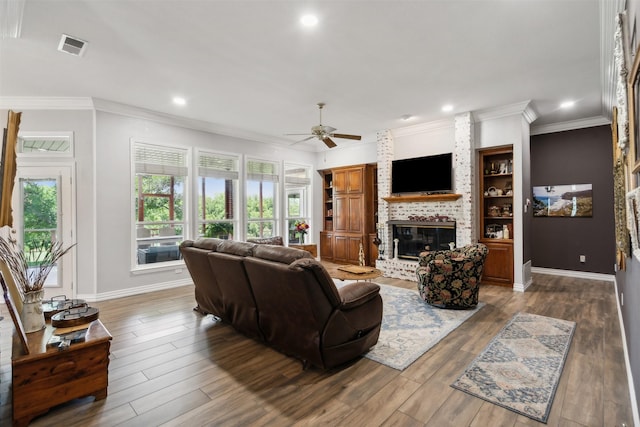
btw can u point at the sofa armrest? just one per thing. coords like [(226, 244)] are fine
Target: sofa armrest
[(357, 294)]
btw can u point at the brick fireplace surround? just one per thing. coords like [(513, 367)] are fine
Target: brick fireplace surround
[(462, 210)]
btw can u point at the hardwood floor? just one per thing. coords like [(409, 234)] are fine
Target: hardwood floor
[(171, 366)]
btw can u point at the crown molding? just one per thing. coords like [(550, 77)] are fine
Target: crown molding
[(423, 127), (201, 125), (524, 108), (571, 125), (609, 10), (45, 103)]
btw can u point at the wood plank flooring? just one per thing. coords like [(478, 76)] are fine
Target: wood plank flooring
[(171, 366)]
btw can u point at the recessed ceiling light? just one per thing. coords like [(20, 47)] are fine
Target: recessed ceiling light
[(178, 100), (567, 104), (447, 108), (309, 20), (406, 117)]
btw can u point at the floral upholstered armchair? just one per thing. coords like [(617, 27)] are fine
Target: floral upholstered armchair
[(451, 278)]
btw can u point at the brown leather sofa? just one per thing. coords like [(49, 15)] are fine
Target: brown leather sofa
[(284, 297)]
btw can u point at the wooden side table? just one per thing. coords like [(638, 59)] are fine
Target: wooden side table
[(311, 248), (45, 377)]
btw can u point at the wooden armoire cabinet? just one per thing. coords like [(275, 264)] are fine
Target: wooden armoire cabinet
[(350, 207)]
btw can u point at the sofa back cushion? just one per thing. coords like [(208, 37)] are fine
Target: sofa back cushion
[(276, 240), (236, 248), (280, 254)]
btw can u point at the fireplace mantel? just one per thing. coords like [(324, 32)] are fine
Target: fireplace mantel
[(422, 198)]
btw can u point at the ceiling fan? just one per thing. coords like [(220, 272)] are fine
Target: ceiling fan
[(324, 133)]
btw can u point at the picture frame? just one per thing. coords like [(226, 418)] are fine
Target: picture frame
[(633, 90), (633, 220), (573, 200)]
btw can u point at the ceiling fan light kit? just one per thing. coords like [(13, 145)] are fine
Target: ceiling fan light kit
[(325, 133)]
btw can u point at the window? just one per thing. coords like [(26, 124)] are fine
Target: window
[(262, 187), (45, 144), (217, 195), (160, 177), (297, 184)]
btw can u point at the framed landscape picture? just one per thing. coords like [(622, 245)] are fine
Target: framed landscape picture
[(575, 200)]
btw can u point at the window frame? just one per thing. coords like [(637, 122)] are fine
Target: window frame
[(198, 221), (294, 184), (276, 180), (186, 192)]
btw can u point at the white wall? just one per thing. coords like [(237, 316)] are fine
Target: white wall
[(114, 133), (80, 122), (424, 139)]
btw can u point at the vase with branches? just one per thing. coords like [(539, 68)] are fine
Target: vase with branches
[(30, 272)]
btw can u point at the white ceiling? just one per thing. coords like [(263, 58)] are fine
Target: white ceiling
[(251, 66)]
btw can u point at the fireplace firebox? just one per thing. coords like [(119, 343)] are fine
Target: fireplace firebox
[(415, 237)]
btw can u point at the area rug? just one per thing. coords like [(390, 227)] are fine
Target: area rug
[(521, 367), (410, 327)]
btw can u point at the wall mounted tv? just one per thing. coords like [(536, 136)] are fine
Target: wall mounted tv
[(429, 174)]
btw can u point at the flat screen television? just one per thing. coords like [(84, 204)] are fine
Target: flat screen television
[(429, 174)]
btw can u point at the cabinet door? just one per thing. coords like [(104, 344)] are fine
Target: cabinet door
[(498, 266), (356, 209), (353, 249), (341, 213), (355, 180), (348, 213), (347, 181), (340, 182), (340, 248), (326, 246)]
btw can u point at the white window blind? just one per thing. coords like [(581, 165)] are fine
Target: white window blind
[(260, 170), (217, 166), (156, 160), (297, 176)]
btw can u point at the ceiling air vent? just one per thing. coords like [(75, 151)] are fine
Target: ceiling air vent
[(72, 45)]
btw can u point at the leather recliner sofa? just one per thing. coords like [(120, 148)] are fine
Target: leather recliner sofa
[(285, 298)]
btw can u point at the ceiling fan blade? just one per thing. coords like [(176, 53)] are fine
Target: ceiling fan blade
[(303, 140), (328, 142), (345, 136)]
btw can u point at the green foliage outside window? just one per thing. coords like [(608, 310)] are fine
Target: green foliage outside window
[(40, 214)]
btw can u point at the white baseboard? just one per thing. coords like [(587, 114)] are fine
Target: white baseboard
[(571, 273), (522, 287), (134, 291), (632, 390)]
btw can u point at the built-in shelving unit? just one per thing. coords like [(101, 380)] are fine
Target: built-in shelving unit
[(496, 214)]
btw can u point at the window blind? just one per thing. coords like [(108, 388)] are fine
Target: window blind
[(156, 160), (297, 176), (259, 170), (217, 166)]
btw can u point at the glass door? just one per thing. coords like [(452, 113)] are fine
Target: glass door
[(42, 212)]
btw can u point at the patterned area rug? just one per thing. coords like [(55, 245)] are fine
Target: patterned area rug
[(521, 367), (410, 327)]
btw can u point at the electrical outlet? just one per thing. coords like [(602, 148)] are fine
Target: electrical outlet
[(583, 258), (178, 270)]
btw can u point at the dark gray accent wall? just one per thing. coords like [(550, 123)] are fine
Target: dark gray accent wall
[(581, 156)]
